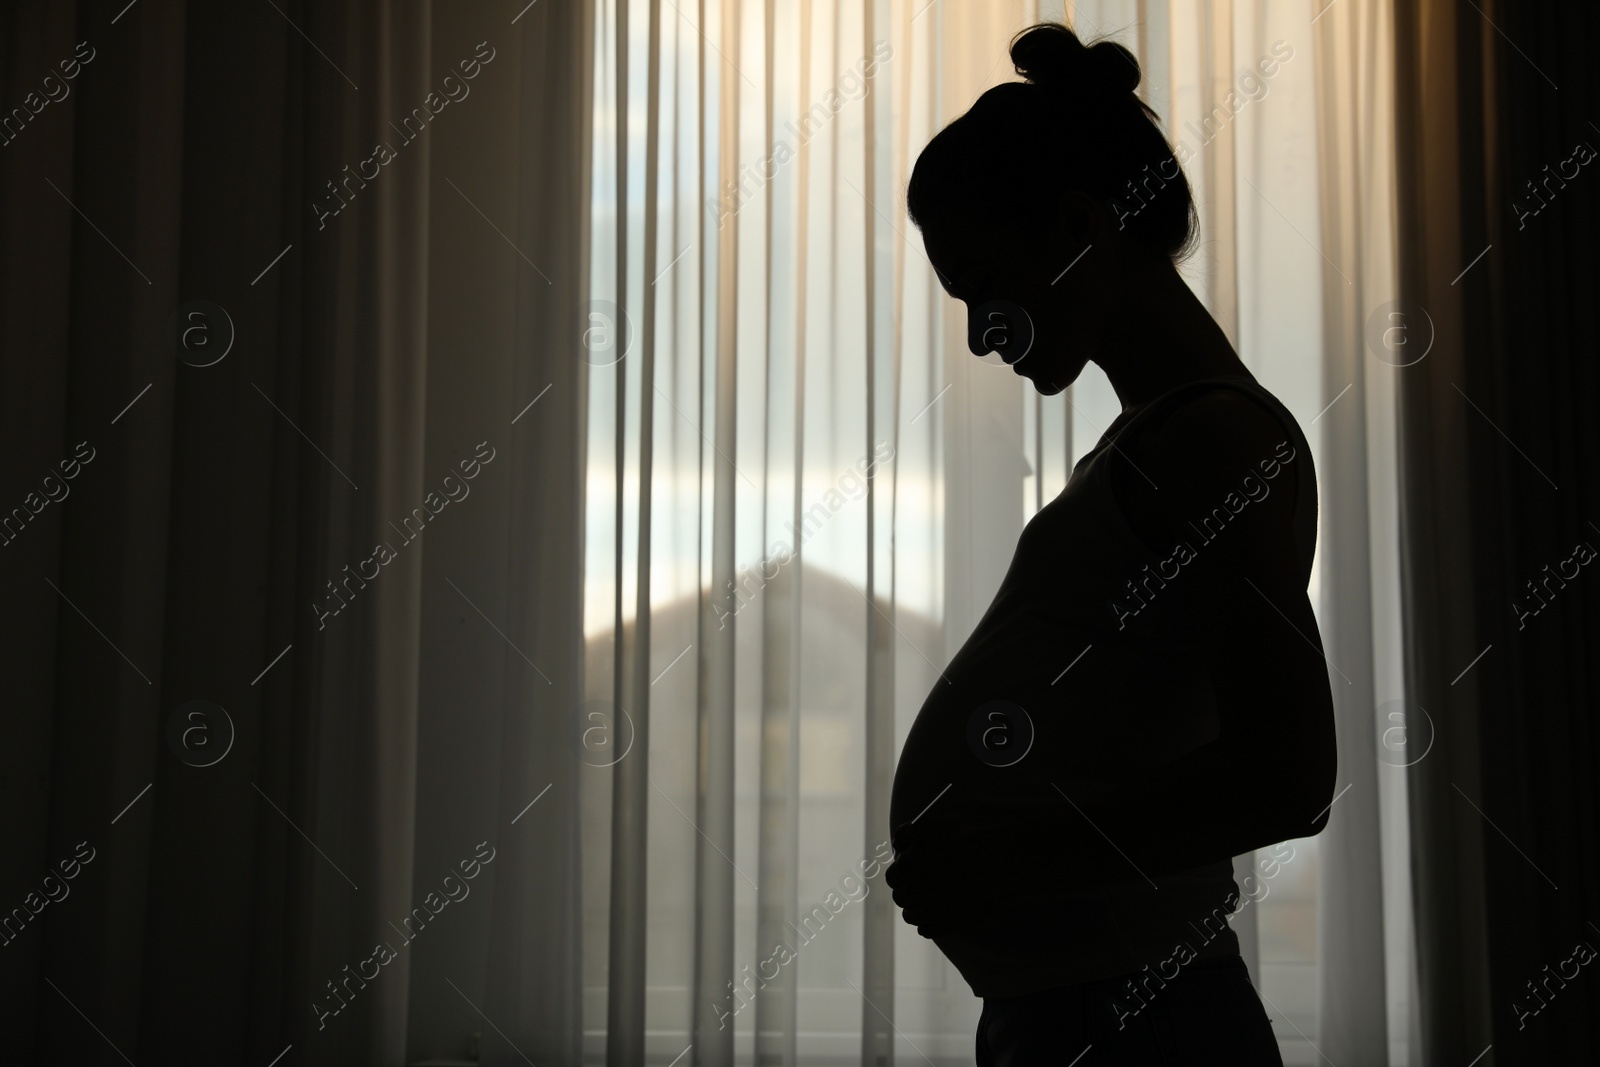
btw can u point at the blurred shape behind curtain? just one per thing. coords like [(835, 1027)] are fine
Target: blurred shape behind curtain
[(785, 335)]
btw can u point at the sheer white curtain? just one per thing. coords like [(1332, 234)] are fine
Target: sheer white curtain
[(803, 490)]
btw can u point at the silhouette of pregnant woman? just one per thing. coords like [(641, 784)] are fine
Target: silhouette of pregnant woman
[(1146, 697)]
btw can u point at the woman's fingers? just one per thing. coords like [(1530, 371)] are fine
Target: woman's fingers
[(943, 878), (939, 875), (927, 889), (927, 923)]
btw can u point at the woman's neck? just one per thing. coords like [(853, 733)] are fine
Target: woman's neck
[(1171, 339)]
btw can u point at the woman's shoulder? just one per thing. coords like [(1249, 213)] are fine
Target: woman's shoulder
[(1234, 404), (1209, 445), (1200, 425)]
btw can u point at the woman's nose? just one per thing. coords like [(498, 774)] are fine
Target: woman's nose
[(1002, 327), (986, 329)]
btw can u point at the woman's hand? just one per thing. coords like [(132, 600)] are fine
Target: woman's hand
[(929, 878), (952, 875)]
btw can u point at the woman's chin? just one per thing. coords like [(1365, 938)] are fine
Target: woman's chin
[(1050, 379), (1042, 380)]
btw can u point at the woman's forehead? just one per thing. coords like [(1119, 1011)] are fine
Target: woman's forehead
[(960, 251)]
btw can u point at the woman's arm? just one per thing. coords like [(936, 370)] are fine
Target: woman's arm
[(1269, 773)]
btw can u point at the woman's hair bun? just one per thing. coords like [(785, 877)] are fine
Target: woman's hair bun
[(1051, 56), (1076, 122)]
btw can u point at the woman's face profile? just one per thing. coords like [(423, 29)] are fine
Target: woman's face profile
[(1021, 304)]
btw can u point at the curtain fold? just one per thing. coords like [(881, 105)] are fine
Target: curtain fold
[(223, 475), (715, 819), (776, 1014), (1498, 500), (882, 408), (1358, 540), (532, 951), (625, 1005), (215, 280)]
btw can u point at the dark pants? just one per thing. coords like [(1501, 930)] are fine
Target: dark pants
[(1208, 1013)]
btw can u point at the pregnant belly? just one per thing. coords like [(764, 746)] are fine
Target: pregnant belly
[(1018, 722)]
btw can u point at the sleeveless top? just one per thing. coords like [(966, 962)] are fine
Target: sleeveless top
[(1104, 657)]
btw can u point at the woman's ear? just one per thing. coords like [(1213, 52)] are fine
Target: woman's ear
[(1080, 217)]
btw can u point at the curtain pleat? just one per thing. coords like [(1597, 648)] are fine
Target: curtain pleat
[(631, 776), (1432, 45), (1355, 162), (1495, 139), (526, 958), (778, 825), (882, 409), (714, 802), (1219, 169), (188, 162), (372, 349)]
